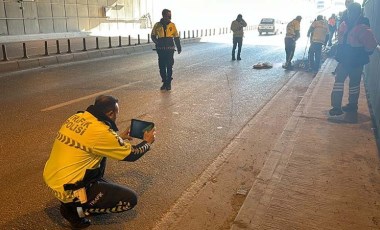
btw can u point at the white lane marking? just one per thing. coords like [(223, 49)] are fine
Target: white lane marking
[(87, 97), (198, 63)]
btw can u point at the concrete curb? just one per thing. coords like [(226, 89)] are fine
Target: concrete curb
[(259, 195), (312, 177)]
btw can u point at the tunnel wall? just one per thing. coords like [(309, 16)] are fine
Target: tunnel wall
[(19, 17), (372, 70)]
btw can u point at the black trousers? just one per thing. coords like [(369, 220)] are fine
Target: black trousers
[(237, 41), (315, 52), (165, 63), (331, 35), (107, 197), (290, 47), (355, 76)]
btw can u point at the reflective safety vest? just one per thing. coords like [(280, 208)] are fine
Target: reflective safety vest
[(165, 35), (320, 30), (79, 147), (292, 27)]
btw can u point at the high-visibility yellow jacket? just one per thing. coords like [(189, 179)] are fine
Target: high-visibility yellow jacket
[(80, 145), (164, 34), (293, 29), (318, 31)]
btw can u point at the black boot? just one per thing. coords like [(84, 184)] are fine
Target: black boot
[(69, 212), (350, 108), (169, 85), (163, 87), (335, 111)]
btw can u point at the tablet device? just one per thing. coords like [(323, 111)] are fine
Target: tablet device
[(138, 127)]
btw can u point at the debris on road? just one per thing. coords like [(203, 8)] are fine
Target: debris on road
[(263, 65)]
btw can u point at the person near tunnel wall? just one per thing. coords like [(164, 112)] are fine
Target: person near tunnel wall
[(356, 42), (165, 35)]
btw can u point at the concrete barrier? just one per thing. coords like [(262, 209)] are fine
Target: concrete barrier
[(7, 66), (69, 48)]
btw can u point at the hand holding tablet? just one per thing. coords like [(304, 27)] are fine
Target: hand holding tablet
[(139, 127)]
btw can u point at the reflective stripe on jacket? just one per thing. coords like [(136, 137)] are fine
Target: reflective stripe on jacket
[(80, 145)]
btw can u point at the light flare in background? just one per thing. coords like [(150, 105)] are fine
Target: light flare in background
[(220, 13)]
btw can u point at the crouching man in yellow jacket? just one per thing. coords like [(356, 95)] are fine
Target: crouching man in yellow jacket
[(75, 168)]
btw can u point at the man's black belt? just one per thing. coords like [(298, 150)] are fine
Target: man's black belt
[(74, 187)]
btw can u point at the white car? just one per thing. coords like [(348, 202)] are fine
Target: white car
[(268, 25)]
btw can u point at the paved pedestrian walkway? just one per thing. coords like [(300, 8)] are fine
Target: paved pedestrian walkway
[(323, 173)]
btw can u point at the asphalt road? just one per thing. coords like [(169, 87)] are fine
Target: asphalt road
[(212, 98)]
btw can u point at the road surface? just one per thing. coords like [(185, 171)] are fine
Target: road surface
[(212, 99)]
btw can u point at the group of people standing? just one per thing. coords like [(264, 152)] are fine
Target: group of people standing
[(166, 38), (320, 33), (356, 42)]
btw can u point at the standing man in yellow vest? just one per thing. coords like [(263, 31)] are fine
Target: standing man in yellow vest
[(164, 35), (317, 31), (292, 35), (238, 33)]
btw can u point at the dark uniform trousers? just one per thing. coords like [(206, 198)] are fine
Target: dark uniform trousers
[(104, 197), (165, 63), (355, 75), (290, 47), (315, 52), (237, 41)]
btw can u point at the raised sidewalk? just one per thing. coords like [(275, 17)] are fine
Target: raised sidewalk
[(323, 173)]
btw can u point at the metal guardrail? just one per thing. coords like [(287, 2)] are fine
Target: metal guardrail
[(42, 52), (22, 50), (17, 50)]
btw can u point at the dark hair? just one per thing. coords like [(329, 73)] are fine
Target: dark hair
[(105, 103), (355, 8), (164, 12)]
